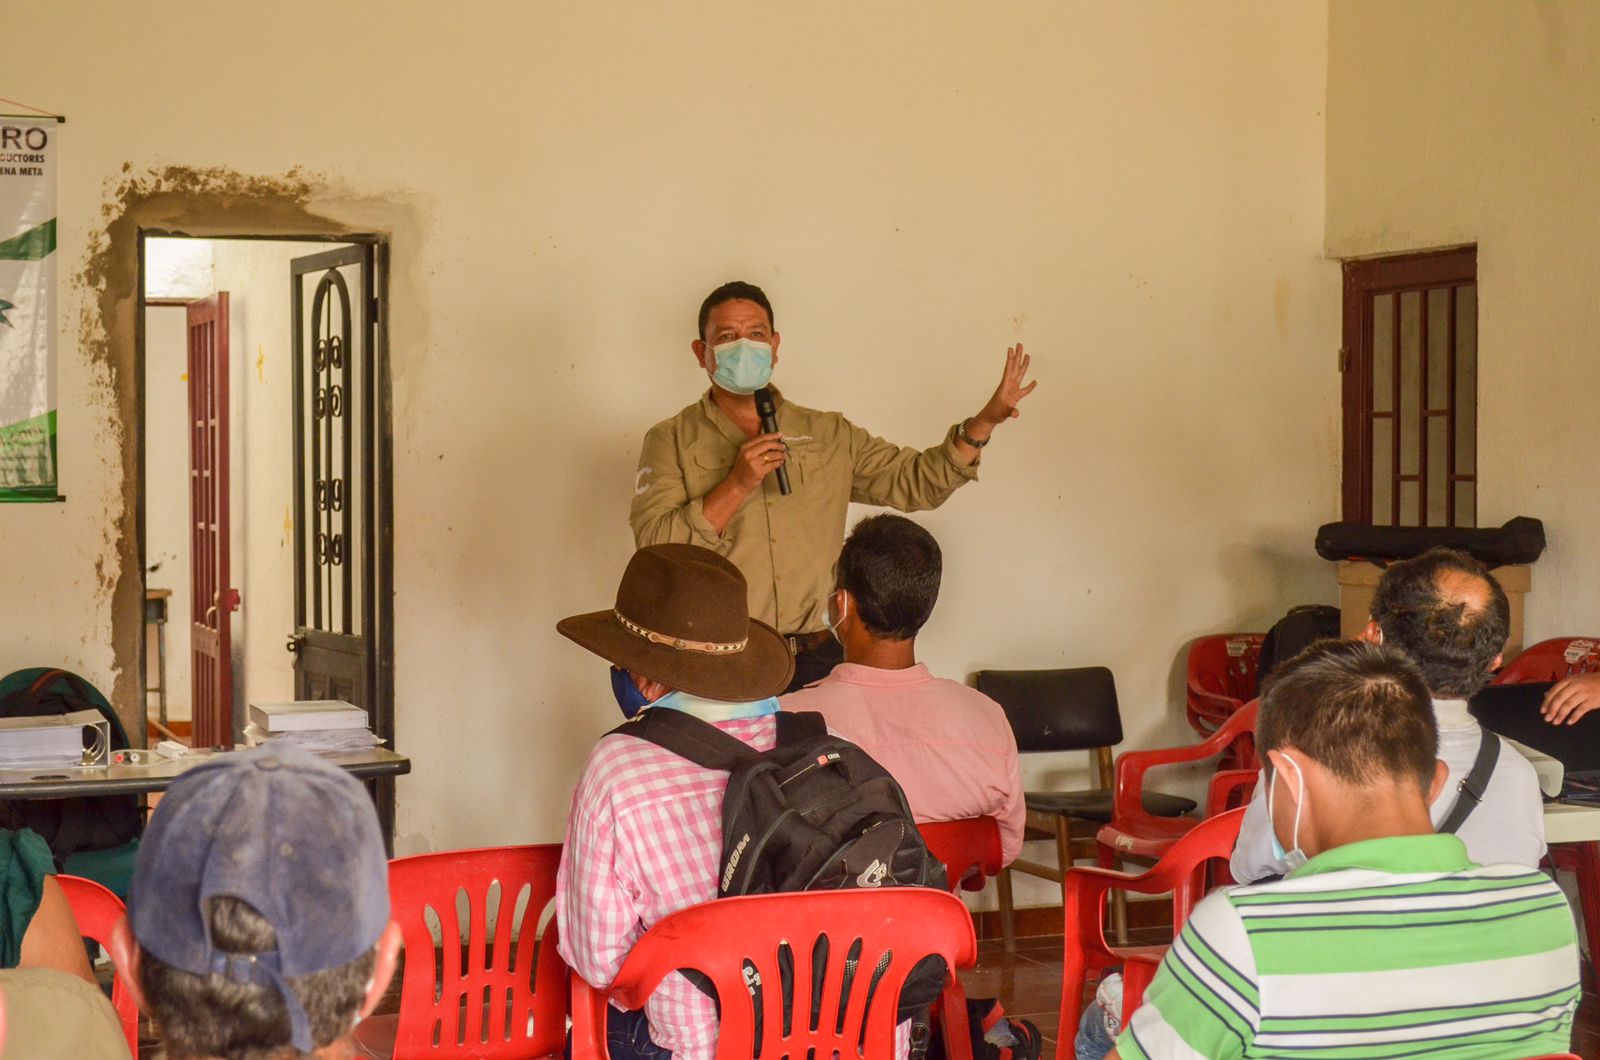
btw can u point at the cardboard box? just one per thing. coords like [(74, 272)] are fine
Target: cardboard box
[(1359, 580)]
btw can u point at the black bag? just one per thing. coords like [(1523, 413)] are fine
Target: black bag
[(82, 823), (1521, 540), (815, 813), (1292, 634)]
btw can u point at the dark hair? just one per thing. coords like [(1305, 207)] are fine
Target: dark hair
[(1360, 710), (1451, 633), (891, 566), (212, 1015), (732, 291)]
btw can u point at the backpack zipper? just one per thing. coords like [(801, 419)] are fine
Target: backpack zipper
[(818, 762)]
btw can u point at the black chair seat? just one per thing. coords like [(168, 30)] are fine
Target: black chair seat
[(1095, 805)]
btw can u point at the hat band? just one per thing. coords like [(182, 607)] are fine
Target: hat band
[(678, 643)]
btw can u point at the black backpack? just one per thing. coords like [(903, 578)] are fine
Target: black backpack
[(815, 813), (82, 823), (1292, 634)]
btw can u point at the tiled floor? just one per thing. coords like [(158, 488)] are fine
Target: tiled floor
[(1028, 984)]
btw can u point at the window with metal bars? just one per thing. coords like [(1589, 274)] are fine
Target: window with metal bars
[(1410, 363)]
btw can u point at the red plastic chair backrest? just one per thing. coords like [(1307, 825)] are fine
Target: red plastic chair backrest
[(97, 911), (969, 848), (862, 929), (1128, 799), (503, 997), (1552, 660), (1221, 677), (1181, 871)]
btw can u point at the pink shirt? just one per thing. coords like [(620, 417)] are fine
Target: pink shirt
[(644, 840), (949, 746)]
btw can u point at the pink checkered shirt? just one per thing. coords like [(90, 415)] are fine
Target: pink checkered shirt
[(644, 840)]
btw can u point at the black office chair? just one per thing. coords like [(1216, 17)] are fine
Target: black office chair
[(1064, 710)]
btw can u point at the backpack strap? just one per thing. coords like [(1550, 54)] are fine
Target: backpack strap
[(1473, 785), (802, 726), (688, 737)]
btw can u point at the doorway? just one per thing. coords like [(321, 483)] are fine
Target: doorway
[(265, 511)]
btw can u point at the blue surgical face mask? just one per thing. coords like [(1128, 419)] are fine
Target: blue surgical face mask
[(1294, 857), (629, 698), (743, 366)]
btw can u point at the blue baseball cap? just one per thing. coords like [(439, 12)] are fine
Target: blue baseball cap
[(292, 836)]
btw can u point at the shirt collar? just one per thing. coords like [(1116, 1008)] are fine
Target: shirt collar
[(1397, 854), (713, 710), (857, 674), (1453, 714), (720, 420)]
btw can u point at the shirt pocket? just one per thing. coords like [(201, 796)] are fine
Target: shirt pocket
[(812, 460), (707, 468)]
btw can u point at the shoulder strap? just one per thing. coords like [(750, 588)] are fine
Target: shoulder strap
[(1473, 785), (803, 726), (687, 736)]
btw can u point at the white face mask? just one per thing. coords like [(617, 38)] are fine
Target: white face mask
[(1294, 857), (835, 623)]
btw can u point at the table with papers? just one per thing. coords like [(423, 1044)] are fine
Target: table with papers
[(151, 772)]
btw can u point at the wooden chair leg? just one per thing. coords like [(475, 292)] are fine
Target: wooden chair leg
[(1008, 923)]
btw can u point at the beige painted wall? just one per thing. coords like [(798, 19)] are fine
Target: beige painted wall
[(1134, 191), (1459, 123), (166, 441)]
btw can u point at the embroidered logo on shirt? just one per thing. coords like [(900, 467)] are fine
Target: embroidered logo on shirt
[(638, 480)]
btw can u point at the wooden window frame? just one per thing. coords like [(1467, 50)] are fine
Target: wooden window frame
[(1364, 279)]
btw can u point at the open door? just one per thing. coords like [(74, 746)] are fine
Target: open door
[(212, 599), (343, 536)]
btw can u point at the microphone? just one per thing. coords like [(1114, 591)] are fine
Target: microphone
[(767, 412)]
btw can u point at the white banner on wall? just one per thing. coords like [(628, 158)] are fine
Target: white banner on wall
[(28, 309)]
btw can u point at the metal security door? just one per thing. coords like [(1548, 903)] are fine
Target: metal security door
[(335, 458), (212, 599)]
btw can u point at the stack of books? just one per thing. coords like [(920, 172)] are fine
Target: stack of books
[(54, 740), (326, 726)]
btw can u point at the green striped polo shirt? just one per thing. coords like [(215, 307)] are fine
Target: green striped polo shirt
[(1396, 947)]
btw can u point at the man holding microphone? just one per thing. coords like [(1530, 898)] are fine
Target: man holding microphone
[(706, 476)]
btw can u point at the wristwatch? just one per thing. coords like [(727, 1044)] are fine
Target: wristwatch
[(961, 432)]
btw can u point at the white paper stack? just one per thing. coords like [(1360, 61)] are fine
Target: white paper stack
[(51, 740), (324, 726)]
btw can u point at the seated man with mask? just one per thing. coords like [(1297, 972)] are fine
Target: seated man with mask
[(1445, 612), (1385, 939), (644, 836), (949, 746)]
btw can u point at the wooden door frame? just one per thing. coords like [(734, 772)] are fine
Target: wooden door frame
[(1402, 272), (383, 584)]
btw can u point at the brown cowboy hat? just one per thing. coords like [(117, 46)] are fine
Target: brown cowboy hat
[(683, 618)]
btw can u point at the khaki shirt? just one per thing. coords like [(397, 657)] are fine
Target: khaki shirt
[(785, 546), (54, 1015)]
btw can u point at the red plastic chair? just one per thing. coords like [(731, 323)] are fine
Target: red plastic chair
[(97, 911), (1222, 677), (1551, 660), (970, 851), (502, 997), (969, 848), (898, 924), (1088, 955), (1135, 833)]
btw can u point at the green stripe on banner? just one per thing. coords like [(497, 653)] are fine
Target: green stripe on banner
[(35, 244), (28, 450)]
